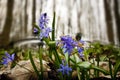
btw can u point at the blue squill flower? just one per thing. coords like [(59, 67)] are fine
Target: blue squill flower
[(68, 44), (81, 55), (82, 42), (43, 20), (35, 31), (80, 49), (7, 58), (65, 69), (45, 33)]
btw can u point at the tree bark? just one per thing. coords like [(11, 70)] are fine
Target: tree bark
[(78, 17), (26, 17), (8, 24), (33, 13), (109, 20), (69, 17), (117, 18)]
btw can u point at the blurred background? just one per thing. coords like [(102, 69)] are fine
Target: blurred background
[(97, 20)]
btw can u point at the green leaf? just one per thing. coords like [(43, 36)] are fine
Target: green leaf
[(52, 44), (67, 57), (84, 64), (75, 58), (37, 27), (46, 40), (40, 59), (100, 69), (116, 68), (33, 64)]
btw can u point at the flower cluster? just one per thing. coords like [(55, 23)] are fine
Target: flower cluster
[(43, 21), (7, 58), (80, 49), (65, 69), (69, 44), (45, 33), (44, 30)]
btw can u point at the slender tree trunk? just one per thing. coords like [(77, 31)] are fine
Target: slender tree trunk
[(8, 24), (54, 5), (26, 17), (78, 17), (69, 17), (33, 13), (117, 18), (109, 20), (41, 2)]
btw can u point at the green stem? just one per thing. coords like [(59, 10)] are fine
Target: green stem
[(52, 45), (87, 75), (41, 64), (33, 64), (110, 67), (94, 69), (53, 28), (82, 74), (57, 57), (61, 76), (78, 73), (98, 59)]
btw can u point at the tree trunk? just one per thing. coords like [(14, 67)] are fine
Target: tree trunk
[(33, 13), (109, 20), (26, 17), (8, 24), (117, 18)]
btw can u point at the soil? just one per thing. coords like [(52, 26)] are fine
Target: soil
[(104, 78), (4, 77), (52, 75)]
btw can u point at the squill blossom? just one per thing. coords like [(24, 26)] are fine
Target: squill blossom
[(7, 58)]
